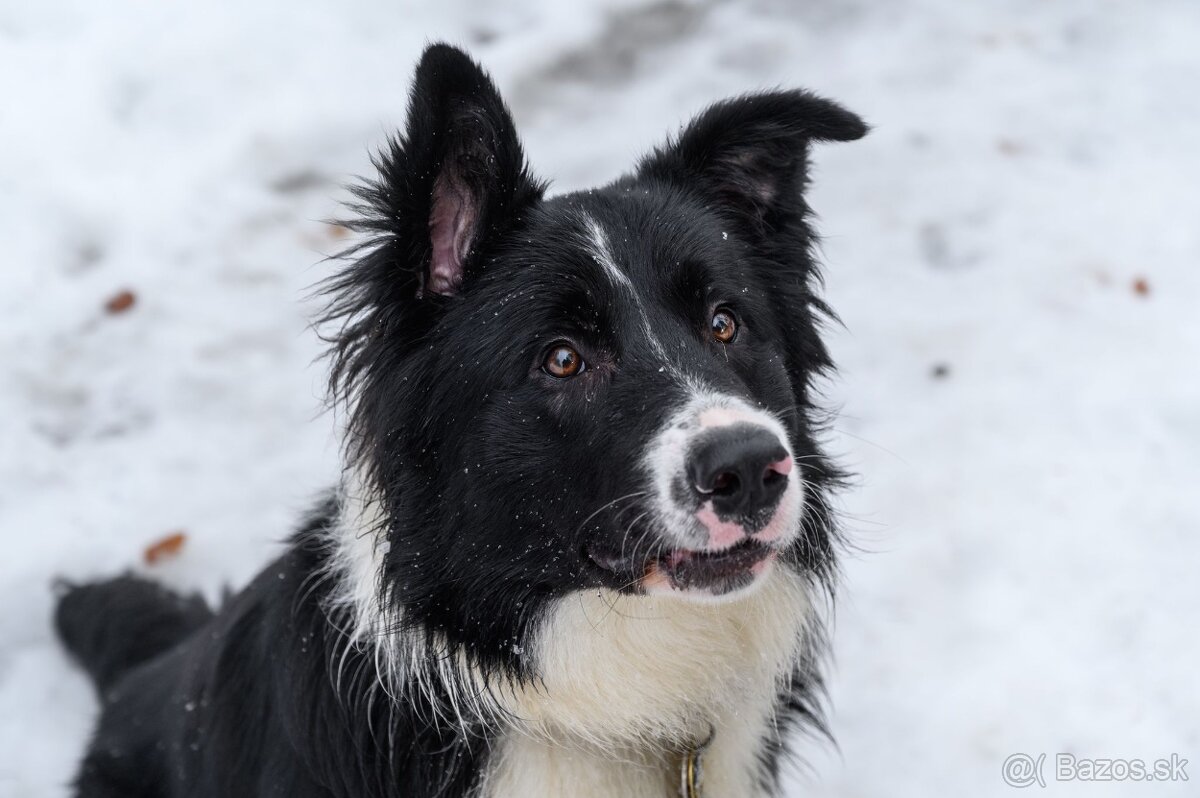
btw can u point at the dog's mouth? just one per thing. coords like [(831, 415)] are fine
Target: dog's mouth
[(692, 570)]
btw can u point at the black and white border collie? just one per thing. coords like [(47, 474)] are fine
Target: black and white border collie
[(582, 542)]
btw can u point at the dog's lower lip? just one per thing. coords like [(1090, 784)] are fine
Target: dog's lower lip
[(686, 568), (740, 556), (713, 572)]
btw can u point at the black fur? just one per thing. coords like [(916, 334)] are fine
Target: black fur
[(494, 478), (112, 626)]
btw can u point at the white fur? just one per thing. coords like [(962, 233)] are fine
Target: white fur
[(628, 683), (664, 460), (602, 255), (664, 463), (359, 545), (597, 243), (631, 682)]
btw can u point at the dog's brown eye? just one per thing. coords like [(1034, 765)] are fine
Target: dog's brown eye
[(724, 326), (562, 361)]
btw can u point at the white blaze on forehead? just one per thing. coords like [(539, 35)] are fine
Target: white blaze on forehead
[(601, 253), (603, 256)]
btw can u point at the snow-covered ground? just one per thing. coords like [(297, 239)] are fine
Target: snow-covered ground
[(1015, 251)]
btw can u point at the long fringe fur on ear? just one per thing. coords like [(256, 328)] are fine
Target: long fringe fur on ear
[(459, 136)]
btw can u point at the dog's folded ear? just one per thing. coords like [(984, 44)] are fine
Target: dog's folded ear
[(455, 179), (749, 155)]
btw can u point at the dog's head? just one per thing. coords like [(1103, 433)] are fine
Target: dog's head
[(610, 388)]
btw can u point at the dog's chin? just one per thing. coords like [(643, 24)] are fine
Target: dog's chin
[(695, 574)]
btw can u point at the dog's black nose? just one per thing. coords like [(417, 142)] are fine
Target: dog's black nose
[(742, 467)]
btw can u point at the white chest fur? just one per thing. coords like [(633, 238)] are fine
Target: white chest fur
[(629, 682)]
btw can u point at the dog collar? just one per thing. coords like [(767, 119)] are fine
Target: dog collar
[(690, 771)]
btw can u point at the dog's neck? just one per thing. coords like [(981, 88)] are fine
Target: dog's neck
[(639, 679)]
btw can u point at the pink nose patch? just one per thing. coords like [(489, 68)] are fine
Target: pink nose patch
[(721, 534), (783, 466)]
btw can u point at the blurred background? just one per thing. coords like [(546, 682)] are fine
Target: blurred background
[(1014, 250)]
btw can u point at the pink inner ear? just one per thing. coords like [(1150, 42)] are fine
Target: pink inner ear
[(451, 222)]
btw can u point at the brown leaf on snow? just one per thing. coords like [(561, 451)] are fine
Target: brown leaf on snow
[(164, 548), (1141, 287), (120, 302)]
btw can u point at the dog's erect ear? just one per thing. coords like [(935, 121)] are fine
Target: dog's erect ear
[(456, 178), (750, 154)]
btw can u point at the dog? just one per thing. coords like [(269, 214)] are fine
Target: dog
[(582, 545)]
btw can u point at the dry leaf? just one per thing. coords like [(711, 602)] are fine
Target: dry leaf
[(164, 548), (120, 302)]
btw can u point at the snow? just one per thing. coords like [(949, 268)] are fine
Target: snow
[(1025, 522)]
